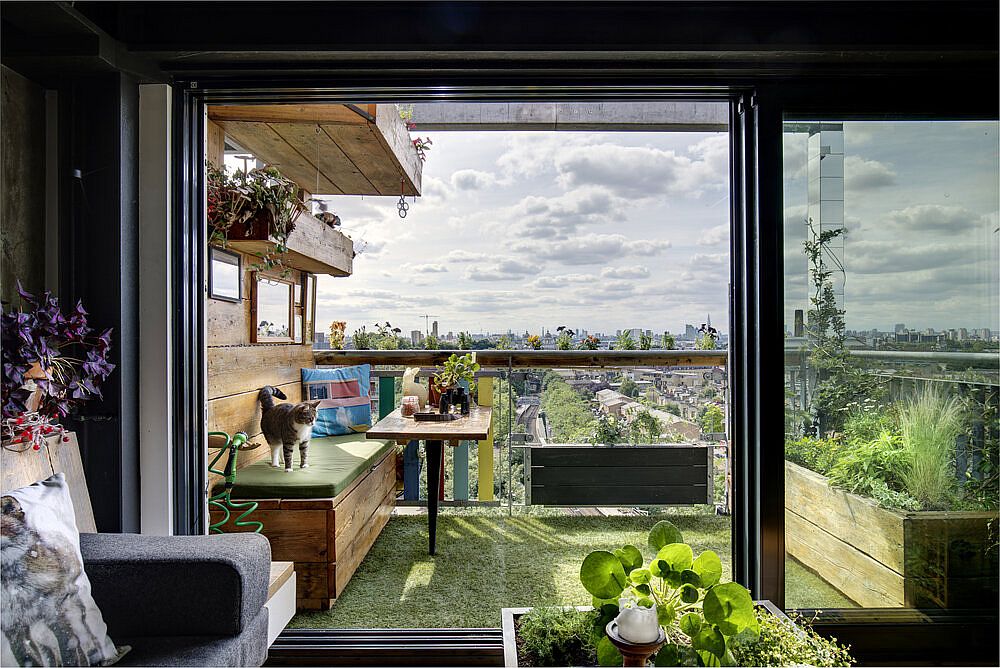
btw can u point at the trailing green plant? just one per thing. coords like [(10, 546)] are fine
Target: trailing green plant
[(464, 341), (778, 645), (363, 339), (841, 383), (668, 342), (258, 196), (930, 423), (564, 341), (551, 636), (456, 369), (816, 454), (702, 618), (874, 467), (624, 341), (645, 341)]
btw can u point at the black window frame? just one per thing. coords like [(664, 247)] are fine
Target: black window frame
[(211, 275), (758, 109)]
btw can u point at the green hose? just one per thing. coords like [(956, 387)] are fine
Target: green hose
[(222, 500)]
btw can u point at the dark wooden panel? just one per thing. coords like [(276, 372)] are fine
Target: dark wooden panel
[(581, 476), (616, 495), (619, 456)]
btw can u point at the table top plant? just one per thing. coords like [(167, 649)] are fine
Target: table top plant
[(67, 359), (456, 369)]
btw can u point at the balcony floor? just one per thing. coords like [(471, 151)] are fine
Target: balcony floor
[(488, 562)]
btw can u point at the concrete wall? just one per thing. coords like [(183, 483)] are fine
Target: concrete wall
[(22, 184)]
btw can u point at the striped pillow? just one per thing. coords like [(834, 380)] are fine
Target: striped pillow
[(345, 405)]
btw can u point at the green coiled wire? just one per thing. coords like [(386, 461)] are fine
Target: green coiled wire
[(222, 500)]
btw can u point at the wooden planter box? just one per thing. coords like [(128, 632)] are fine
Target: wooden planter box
[(313, 245), (509, 617), (884, 559), (621, 475)]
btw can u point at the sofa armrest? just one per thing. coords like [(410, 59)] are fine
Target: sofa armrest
[(177, 585)]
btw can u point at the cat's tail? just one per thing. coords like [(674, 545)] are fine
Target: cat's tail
[(266, 397)]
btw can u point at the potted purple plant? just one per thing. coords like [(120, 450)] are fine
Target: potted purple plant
[(57, 352)]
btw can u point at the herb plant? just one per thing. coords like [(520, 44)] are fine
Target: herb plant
[(625, 341), (702, 617), (668, 341), (564, 341), (72, 361), (456, 369), (551, 636), (645, 341), (778, 645)]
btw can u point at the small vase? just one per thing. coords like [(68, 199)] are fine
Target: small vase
[(445, 403)]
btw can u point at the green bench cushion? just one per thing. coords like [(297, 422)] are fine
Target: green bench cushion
[(334, 463)]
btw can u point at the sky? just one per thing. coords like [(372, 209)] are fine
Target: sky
[(921, 213), (526, 231)]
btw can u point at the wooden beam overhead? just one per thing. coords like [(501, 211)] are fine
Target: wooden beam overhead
[(335, 114)]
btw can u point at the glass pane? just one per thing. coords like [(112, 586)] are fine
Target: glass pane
[(273, 309), (225, 275), (891, 381)]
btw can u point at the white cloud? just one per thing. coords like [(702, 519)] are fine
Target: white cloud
[(714, 235), (432, 268), (458, 255), (592, 248), (636, 271), (558, 217), (863, 174), (472, 179), (705, 260), (503, 269), (937, 218)]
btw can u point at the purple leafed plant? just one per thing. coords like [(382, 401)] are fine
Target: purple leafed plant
[(72, 361)]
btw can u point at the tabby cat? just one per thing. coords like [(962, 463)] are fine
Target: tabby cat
[(285, 426)]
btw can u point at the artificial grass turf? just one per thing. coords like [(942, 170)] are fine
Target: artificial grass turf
[(485, 563)]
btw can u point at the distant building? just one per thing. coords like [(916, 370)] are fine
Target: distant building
[(690, 332), (434, 329), (899, 328), (800, 325), (416, 337)]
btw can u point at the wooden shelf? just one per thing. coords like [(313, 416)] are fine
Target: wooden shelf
[(313, 246), (328, 149)]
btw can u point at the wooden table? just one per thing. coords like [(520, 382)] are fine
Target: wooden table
[(394, 427)]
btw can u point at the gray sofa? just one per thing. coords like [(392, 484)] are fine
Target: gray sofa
[(182, 600)]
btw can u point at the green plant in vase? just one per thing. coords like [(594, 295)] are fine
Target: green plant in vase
[(702, 618), (456, 369)]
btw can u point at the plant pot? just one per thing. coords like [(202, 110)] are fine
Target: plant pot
[(885, 558), (509, 617)]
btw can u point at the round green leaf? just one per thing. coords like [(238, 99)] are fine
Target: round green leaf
[(678, 556), (709, 639), (665, 614), (708, 567), (669, 655), (659, 568), (730, 607), (690, 624), (689, 593), (602, 575), (690, 577), (643, 589), (597, 602), (644, 602), (664, 533), (708, 659), (630, 556), (640, 576), (608, 654)]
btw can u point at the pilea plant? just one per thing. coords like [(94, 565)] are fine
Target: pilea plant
[(702, 618), (455, 369)]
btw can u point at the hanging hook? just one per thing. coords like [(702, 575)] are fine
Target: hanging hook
[(402, 207)]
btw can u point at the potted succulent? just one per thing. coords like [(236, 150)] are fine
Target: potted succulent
[(447, 381), (52, 362), (704, 621)]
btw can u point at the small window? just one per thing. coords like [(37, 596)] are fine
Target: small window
[(272, 310), (225, 275)]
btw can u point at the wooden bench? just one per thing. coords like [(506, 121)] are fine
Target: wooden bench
[(328, 537)]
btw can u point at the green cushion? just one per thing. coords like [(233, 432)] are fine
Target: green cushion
[(334, 463)]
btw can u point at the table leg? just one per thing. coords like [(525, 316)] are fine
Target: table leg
[(434, 451)]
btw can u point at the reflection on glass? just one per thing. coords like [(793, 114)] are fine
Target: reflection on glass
[(225, 279), (891, 379), (274, 309)]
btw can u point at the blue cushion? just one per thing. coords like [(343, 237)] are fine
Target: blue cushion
[(345, 405)]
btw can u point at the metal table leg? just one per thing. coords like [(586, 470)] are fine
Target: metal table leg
[(434, 450)]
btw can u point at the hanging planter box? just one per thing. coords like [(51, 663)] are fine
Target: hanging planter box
[(313, 245), (620, 475), (884, 558)]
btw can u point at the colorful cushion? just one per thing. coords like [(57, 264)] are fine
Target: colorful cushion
[(49, 616), (345, 406)]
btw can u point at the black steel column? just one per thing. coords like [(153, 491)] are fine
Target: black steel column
[(99, 215)]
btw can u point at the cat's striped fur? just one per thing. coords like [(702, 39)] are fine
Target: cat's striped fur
[(285, 426)]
